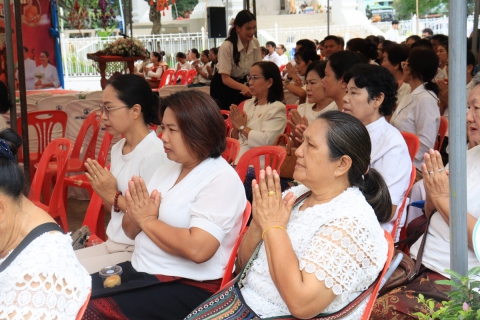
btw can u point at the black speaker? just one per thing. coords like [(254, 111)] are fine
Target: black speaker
[(217, 26)]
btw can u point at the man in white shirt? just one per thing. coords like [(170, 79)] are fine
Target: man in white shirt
[(30, 67), (392, 34), (272, 55)]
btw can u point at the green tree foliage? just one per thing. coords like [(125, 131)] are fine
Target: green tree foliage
[(183, 8), (406, 8)]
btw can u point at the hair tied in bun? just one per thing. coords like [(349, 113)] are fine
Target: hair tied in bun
[(5, 151)]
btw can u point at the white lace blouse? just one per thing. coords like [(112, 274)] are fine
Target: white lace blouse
[(45, 281), (340, 241)]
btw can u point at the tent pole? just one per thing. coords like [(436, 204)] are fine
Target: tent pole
[(457, 133), (10, 66), (475, 28)]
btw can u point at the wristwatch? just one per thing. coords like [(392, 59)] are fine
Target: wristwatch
[(241, 128)]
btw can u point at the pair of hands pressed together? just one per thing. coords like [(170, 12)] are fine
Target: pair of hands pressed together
[(270, 210), (298, 125), (435, 179), (141, 207), (237, 117)]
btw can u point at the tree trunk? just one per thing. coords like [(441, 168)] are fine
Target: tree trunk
[(156, 18)]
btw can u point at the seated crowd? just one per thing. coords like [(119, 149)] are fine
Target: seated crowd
[(314, 243)]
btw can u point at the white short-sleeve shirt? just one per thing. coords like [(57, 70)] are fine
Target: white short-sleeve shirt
[(226, 65), (306, 109), (266, 122), (275, 58), (49, 74), (211, 197), (143, 161), (391, 159), (418, 113)]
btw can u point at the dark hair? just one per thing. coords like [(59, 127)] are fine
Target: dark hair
[(181, 55), (376, 80), (263, 50), (194, 50), (423, 64), (270, 71), (385, 44), (428, 30), (215, 52), (12, 179), (471, 60), (271, 43), (25, 49), (342, 41), (394, 22), (440, 37), (206, 52), (397, 53), (242, 17), (414, 37), (373, 39), (444, 44), (157, 55), (162, 53), (307, 54), (347, 136), (318, 67), (422, 43), (342, 61), (367, 49), (306, 43), (200, 122), (132, 89), (334, 38), (4, 100), (47, 55)]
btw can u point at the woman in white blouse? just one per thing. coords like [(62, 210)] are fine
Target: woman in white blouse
[(393, 56), (202, 76), (235, 58), (47, 74), (418, 112), (182, 63), (153, 72), (263, 117), (321, 253), (303, 58), (371, 96), (44, 280), (186, 220)]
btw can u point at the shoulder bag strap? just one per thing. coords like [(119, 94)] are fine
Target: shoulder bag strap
[(418, 262), (32, 235)]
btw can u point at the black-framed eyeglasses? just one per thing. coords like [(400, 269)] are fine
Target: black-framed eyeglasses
[(253, 78)]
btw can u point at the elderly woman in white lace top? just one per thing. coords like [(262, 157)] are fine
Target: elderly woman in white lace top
[(321, 253), (45, 280)]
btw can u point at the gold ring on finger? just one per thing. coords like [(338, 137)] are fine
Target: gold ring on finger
[(272, 193)]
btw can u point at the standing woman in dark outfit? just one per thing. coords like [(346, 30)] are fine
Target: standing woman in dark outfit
[(235, 58)]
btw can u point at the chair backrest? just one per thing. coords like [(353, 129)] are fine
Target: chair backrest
[(104, 148), (168, 90), (442, 131), (167, 78), (182, 75), (94, 217), (84, 307), (282, 67), (228, 122), (34, 98), (92, 122), (95, 95), (373, 297), (240, 105), (413, 143), (231, 151), (46, 125), (57, 102), (228, 275), (272, 156), (291, 107), (190, 76), (400, 211), (30, 108), (58, 150)]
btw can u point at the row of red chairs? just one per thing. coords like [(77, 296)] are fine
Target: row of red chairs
[(172, 77)]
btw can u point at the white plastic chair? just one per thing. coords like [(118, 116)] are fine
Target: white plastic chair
[(56, 102)]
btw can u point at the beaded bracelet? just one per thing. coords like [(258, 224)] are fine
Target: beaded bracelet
[(115, 202), (278, 227)]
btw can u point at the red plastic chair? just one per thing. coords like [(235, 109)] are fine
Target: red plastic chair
[(180, 75), (191, 74), (84, 307), (373, 297), (59, 149), (81, 180), (288, 108), (442, 131), (228, 123), (94, 218), (413, 175), (413, 143), (272, 155), (228, 275), (231, 151), (282, 67), (167, 79), (44, 123), (75, 163), (240, 105)]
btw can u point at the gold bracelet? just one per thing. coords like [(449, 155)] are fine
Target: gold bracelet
[(278, 227)]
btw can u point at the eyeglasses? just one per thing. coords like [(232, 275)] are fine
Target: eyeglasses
[(404, 64), (104, 109), (253, 78)]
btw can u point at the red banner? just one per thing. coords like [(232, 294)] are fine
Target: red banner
[(38, 45)]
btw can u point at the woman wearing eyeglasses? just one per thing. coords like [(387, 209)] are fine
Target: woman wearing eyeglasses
[(128, 107), (418, 111), (263, 117)]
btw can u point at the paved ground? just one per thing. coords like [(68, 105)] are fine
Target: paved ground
[(76, 210)]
